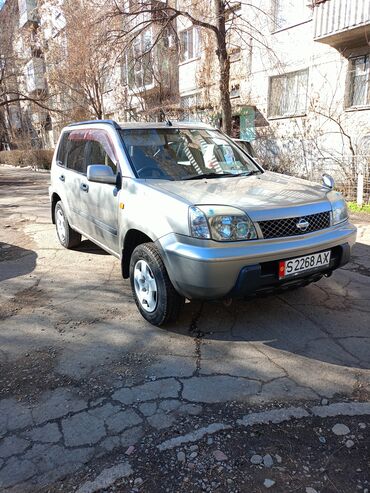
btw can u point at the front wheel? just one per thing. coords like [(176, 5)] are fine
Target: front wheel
[(67, 236), (156, 298)]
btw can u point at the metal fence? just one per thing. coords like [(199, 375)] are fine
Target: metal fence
[(352, 176), (356, 192)]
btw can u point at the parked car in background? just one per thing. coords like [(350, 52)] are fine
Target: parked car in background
[(191, 215)]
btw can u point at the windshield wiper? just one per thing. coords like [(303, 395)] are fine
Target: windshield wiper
[(249, 173), (208, 175)]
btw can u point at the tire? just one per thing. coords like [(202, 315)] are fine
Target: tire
[(156, 298), (67, 236)]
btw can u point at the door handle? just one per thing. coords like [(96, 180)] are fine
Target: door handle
[(62, 178), (84, 187)]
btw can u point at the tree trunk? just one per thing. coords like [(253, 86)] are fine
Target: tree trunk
[(224, 63)]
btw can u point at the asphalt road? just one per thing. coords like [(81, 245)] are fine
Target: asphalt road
[(83, 376)]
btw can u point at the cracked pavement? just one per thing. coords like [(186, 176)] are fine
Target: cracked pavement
[(83, 377)]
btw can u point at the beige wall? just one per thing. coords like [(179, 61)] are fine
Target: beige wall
[(315, 139)]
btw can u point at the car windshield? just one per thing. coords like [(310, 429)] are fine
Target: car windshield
[(184, 154)]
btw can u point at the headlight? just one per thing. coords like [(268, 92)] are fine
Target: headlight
[(221, 223), (340, 212), (339, 207)]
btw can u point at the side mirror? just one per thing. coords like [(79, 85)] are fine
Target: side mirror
[(101, 174), (328, 181)]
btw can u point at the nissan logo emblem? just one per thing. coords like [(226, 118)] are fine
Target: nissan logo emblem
[(302, 224)]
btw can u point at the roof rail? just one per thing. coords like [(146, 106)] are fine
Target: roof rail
[(89, 122)]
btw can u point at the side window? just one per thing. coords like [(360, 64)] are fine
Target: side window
[(61, 154), (75, 151), (100, 150)]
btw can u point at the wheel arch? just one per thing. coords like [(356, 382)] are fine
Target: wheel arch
[(54, 200), (133, 238)]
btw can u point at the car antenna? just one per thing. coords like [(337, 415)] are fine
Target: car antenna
[(163, 118)]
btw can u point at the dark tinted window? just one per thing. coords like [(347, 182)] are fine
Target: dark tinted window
[(75, 151), (61, 154)]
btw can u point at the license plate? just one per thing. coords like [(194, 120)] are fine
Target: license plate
[(295, 266)]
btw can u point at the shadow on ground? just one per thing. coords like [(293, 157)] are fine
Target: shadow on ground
[(15, 261), (88, 246)]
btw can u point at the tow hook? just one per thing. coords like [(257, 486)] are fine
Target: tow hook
[(328, 274)]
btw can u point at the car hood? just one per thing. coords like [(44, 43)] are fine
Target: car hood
[(259, 195)]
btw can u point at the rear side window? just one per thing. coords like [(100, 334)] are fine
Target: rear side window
[(75, 151), (61, 154)]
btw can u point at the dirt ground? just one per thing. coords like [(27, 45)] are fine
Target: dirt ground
[(92, 398)]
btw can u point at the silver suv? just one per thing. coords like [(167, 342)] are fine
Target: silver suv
[(191, 215)]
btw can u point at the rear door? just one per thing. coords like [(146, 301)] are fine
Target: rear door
[(75, 179)]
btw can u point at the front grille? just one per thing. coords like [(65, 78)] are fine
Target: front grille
[(280, 228)]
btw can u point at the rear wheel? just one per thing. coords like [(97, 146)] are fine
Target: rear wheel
[(156, 298), (66, 235)]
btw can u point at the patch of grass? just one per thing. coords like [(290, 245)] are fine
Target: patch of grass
[(352, 206)]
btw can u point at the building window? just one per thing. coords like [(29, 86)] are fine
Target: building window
[(136, 63), (360, 81), (27, 6), (30, 71), (288, 13), (190, 107), (189, 44), (235, 91), (108, 80), (234, 54), (288, 94)]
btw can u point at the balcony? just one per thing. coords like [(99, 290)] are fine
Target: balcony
[(27, 12), (34, 72), (342, 23)]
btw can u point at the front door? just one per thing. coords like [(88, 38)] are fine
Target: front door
[(102, 199)]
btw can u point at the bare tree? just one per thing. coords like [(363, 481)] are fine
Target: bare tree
[(332, 122), (148, 55), (80, 64), (14, 95), (221, 18), (12, 85)]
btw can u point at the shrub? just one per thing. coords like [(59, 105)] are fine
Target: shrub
[(37, 158)]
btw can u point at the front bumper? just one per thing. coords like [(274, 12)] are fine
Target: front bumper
[(263, 278), (206, 269)]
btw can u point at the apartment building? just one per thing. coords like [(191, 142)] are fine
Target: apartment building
[(310, 88), (149, 73), (22, 123), (299, 76), (301, 91)]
